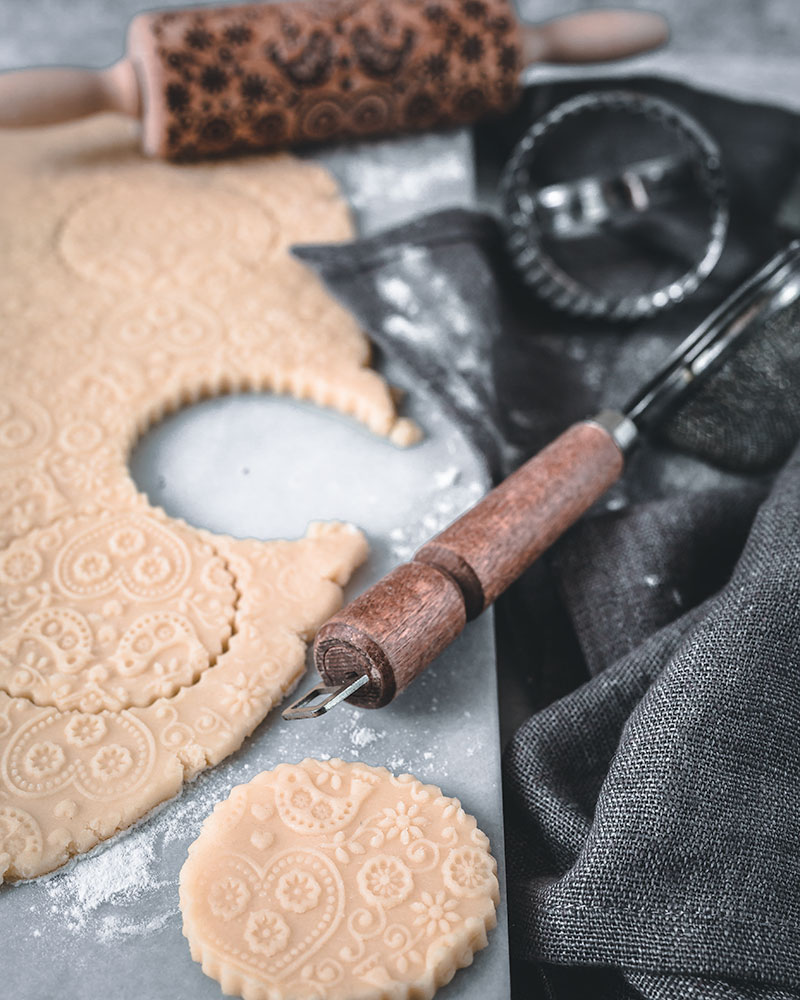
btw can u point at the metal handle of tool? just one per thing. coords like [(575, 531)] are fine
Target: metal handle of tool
[(396, 628)]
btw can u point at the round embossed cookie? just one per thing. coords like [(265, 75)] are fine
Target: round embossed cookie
[(328, 880), (109, 611)]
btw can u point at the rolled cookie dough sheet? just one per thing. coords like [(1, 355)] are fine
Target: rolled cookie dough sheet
[(136, 650)]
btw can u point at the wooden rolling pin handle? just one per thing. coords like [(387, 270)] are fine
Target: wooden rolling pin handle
[(48, 96), (397, 627), (593, 36)]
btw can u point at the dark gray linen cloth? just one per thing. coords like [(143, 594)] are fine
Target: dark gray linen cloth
[(651, 663)]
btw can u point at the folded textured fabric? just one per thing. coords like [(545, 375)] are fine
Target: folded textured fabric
[(652, 660), (652, 813)]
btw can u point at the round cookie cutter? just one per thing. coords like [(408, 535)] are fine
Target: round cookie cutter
[(631, 238)]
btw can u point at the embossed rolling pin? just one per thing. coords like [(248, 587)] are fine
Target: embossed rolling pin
[(372, 649), (211, 81)]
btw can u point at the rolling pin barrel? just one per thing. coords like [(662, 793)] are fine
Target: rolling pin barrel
[(397, 627)]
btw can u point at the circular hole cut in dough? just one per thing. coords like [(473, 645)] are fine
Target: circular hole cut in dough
[(337, 881)]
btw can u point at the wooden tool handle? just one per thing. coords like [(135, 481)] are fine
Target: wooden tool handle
[(394, 630), (391, 632), (47, 96)]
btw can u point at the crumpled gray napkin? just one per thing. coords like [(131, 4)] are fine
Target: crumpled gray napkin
[(653, 816), (652, 810)]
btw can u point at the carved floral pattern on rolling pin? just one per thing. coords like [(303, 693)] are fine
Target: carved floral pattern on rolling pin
[(352, 914), (269, 75)]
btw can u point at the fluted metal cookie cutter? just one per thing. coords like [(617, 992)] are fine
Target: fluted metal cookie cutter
[(598, 206)]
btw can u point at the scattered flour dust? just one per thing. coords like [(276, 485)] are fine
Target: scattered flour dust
[(393, 181), (450, 496), (118, 877), (362, 736), (120, 890), (447, 477)]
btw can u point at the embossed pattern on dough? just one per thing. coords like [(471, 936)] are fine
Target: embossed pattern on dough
[(134, 649), (110, 611), (337, 881)]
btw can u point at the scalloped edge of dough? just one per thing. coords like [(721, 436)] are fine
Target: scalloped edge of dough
[(456, 950)]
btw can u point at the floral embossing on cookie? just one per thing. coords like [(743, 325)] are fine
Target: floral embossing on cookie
[(435, 912), (404, 822), (298, 891), (91, 567), (95, 562), (20, 566), (467, 871), (266, 932), (111, 762), (88, 643), (85, 730), (228, 897), (385, 881), (101, 756), (43, 759), (358, 912), (127, 541), (243, 693)]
